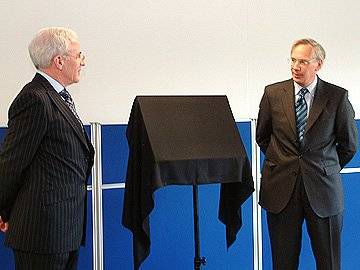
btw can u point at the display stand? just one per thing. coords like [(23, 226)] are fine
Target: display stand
[(183, 140)]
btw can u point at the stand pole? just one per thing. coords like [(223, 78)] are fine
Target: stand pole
[(198, 261)]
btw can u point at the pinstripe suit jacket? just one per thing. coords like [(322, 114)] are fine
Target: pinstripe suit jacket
[(45, 161)]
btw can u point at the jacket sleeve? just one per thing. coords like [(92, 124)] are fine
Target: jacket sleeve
[(26, 127), (264, 124), (345, 131)]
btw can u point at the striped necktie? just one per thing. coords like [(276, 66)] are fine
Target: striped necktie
[(301, 114), (70, 103)]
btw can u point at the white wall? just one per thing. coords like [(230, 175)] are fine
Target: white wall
[(138, 47)]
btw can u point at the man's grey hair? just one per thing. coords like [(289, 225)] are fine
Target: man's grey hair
[(48, 43), (318, 49)]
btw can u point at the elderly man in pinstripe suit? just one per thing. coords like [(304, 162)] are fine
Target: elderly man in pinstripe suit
[(45, 160)]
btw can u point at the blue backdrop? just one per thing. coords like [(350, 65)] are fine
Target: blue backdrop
[(171, 221)]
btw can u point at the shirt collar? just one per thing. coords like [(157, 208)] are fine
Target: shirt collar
[(54, 83), (311, 87)]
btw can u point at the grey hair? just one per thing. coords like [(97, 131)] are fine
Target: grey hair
[(48, 43), (318, 49)]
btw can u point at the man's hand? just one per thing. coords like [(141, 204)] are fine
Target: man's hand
[(4, 226)]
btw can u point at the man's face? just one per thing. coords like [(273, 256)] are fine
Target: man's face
[(304, 66), (73, 61)]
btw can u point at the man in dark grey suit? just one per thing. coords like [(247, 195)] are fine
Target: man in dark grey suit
[(45, 160), (306, 130)]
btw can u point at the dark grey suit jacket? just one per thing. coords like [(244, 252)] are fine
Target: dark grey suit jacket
[(45, 161), (330, 142)]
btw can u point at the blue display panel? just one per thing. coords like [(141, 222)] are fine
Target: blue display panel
[(114, 153), (6, 255), (351, 237), (173, 232), (117, 239), (171, 221), (171, 224), (2, 134)]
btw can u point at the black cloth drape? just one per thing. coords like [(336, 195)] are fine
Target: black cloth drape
[(183, 140)]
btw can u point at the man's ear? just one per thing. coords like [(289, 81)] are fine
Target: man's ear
[(319, 66), (58, 62)]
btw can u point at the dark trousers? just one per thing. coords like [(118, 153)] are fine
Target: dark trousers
[(285, 230), (34, 261)]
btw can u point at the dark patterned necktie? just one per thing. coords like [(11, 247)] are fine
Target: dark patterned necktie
[(69, 101), (301, 114)]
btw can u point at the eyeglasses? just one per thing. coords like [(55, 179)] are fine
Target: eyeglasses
[(80, 56), (301, 62)]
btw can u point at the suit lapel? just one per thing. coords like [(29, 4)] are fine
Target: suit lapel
[(319, 102), (288, 101), (64, 109)]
